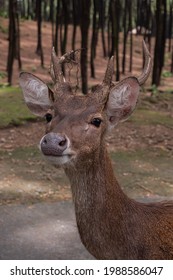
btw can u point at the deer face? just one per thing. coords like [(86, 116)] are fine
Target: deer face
[(76, 124)]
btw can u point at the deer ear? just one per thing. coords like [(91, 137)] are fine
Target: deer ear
[(38, 97), (122, 100)]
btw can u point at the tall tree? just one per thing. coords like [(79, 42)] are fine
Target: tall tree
[(102, 8), (84, 26), (14, 39), (57, 25), (159, 50), (95, 28), (114, 9), (76, 20), (39, 49), (125, 34), (65, 11), (51, 15), (131, 35), (170, 25)]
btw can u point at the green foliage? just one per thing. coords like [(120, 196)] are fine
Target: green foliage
[(3, 14), (3, 29), (167, 74), (154, 90), (13, 111), (3, 75)]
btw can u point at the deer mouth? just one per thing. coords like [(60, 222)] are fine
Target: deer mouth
[(58, 160)]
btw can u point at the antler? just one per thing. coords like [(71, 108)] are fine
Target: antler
[(107, 81), (141, 79), (55, 69), (109, 72), (147, 66), (56, 72)]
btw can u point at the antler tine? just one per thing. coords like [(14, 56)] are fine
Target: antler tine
[(147, 66), (51, 71), (68, 57), (55, 68), (56, 65), (103, 89), (109, 72)]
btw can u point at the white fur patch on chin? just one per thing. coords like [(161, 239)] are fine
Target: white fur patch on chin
[(58, 160)]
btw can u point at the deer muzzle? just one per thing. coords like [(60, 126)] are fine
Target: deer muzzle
[(54, 144)]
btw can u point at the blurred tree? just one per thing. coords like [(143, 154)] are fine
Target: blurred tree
[(102, 11), (39, 49), (95, 29), (170, 26), (57, 25), (14, 39), (51, 15), (65, 22), (76, 20), (108, 19), (84, 6), (159, 50), (115, 10), (125, 31)]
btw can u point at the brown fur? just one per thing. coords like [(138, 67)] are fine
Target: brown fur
[(111, 225)]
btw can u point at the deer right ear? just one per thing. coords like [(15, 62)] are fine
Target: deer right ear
[(122, 100), (38, 97)]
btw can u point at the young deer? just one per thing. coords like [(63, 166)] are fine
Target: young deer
[(110, 224)]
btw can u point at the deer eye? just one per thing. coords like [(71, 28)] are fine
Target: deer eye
[(96, 122), (48, 117)]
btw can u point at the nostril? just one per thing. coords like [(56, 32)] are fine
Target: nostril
[(44, 141), (62, 143)]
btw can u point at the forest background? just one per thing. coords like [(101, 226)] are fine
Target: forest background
[(141, 148), (115, 26)]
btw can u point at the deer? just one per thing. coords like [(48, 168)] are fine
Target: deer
[(111, 225)]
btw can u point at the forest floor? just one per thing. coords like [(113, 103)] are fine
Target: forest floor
[(141, 148)]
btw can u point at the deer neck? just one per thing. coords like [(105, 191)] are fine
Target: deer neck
[(100, 204), (94, 181)]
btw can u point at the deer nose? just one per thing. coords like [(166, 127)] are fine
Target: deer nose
[(53, 144)]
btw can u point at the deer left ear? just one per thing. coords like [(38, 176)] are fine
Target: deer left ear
[(38, 97), (122, 100)]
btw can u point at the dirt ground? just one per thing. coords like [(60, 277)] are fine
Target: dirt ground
[(142, 152), (142, 158)]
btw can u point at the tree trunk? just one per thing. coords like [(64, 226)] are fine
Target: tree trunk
[(75, 21), (124, 37), (39, 49), (102, 24), (65, 16), (84, 26), (94, 38), (170, 27), (57, 25), (160, 41), (51, 15), (114, 13), (14, 39), (172, 62), (131, 36), (17, 54)]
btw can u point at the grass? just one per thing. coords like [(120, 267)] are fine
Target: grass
[(146, 117), (13, 110)]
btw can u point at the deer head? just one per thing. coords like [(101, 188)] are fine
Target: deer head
[(76, 124)]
